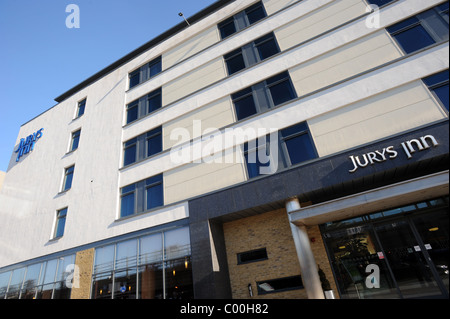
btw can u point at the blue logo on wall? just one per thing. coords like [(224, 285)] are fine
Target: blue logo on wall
[(27, 145)]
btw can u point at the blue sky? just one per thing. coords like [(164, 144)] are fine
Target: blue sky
[(40, 58)]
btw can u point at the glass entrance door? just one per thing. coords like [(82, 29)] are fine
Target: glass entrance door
[(408, 245), (407, 262)]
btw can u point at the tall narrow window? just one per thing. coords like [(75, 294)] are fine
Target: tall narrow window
[(75, 140), (438, 84), (60, 222), (242, 19), (68, 177), (80, 108), (422, 30)]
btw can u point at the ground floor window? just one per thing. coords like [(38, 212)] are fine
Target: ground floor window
[(44, 280), (156, 266), (396, 253)]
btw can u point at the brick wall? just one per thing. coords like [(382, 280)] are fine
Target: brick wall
[(84, 260), (271, 231)]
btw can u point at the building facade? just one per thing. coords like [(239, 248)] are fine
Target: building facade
[(261, 149)]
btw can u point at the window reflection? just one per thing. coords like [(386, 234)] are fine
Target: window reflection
[(156, 266)]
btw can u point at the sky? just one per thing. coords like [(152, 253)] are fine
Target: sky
[(41, 58)]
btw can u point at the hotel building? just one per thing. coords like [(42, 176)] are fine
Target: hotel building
[(263, 150)]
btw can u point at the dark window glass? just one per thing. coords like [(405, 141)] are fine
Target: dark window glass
[(245, 18), (298, 143), (142, 196), (135, 78), (155, 67), (154, 101), (143, 146), (81, 107), (266, 46), (155, 196), (132, 112), (414, 39), (127, 205), (130, 152), (422, 30), (244, 103), (300, 149), (439, 85), (255, 13), (144, 105), (281, 88), (60, 222), (380, 2), (227, 28), (75, 140), (252, 256), (443, 11), (251, 53), (257, 156), (235, 61), (281, 284), (68, 176), (154, 142), (145, 72)]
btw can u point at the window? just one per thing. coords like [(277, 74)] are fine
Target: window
[(155, 266), (263, 96), (242, 20), (252, 256), (75, 140), (45, 280), (142, 196), (438, 85), (60, 222), (293, 146), (145, 72), (251, 53), (297, 144), (143, 146), (281, 284), (144, 105), (258, 157), (80, 108), (68, 176), (422, 30), (380, 3)]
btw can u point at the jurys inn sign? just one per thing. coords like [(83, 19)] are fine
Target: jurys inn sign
[(27, 144), (390, 152)]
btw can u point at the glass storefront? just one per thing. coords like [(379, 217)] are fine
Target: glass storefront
[(397, 253), (45, 280), (157, 266)]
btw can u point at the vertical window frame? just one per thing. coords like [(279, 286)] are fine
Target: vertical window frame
[(75, 136), (81, 108), (68, 171), (61, 217)]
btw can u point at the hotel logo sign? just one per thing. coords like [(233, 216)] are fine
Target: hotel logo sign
[(27, 144), (388, 153)]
